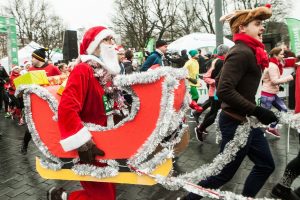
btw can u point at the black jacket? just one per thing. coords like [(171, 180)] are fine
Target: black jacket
[(3, 76)]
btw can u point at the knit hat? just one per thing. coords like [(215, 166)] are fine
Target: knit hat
[(40, 54), (222, 49), (92, 39), (244, 17), (160, 43), (193, 52)]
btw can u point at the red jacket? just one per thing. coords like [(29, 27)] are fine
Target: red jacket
[(12, 87), (50, 69), (80, 102)]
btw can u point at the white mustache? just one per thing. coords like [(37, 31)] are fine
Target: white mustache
[(110, 58)]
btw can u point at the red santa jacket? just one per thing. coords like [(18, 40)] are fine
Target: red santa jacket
[(81, 102), (50, 69), (12, 87)]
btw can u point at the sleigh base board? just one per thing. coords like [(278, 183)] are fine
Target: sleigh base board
[(123, 177)]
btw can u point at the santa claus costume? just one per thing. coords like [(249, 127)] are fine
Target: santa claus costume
[(82, 101)]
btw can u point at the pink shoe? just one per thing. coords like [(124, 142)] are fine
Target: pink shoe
[(274, 132)]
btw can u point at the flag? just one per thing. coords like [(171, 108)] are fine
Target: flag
[(297, 90), (294, 33)]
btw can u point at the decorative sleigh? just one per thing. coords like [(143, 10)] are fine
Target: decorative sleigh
[(157, 112)]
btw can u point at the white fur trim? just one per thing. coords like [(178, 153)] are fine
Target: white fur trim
[(77, 140), (99, 37), (85, 58)]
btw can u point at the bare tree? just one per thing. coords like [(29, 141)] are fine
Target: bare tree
[(139, 20), (186, 17), (133, 22), (3, 45), (165, 13), (35, 22), (280, 8), (204, 10)]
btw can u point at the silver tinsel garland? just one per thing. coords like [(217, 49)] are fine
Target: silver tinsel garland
[(168, 121), (112, 169)]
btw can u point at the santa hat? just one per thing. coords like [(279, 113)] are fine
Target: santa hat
[(15, 67), (120, 49), (26, 63), (244, 17), (92, 38)]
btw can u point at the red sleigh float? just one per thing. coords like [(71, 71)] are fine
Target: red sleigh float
[(118, 142)]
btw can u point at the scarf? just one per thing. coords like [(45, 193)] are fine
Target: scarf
[(279, 64), (257, 47), (221, 57), (105, 80)]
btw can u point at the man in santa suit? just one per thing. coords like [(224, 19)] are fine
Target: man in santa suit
[(82, 101)]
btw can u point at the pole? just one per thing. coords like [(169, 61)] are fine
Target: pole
[(219, 25)]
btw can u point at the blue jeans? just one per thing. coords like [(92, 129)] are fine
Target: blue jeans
[(258, 151), (268, 102)]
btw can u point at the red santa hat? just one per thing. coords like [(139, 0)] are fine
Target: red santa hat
[(120, 49), (16, 67), (92, 38), (26, 63)]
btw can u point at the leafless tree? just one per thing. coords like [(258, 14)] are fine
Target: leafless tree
[(186, 22), (133, 22), (35, 22), (165, 13), (204, 12), (280, 8), (139, 20), (3, 45)]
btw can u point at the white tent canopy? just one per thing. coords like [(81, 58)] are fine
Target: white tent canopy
[(24, 54), (204, 41)]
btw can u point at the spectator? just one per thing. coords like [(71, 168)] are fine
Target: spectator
[(27, 65), (127, 62), (180, 61), (201, 61), (39, 63), (156, 56), (3, 79), (64, 69)]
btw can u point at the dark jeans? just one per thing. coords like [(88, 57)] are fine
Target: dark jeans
[(292, 170), (27, 138), (258, 151), (210, 117), (1, 97), (207, 103)]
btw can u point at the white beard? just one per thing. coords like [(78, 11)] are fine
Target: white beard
[(110, 58)]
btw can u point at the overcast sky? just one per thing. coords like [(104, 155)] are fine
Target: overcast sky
[(84, 13), (78, 13), (87, 13)]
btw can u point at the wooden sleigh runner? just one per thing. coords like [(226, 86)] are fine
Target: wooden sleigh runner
[(159, 98)]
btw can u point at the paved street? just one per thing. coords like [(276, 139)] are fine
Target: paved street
[(19, 180)]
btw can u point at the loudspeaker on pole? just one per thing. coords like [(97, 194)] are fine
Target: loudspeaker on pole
[(70, 45)]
